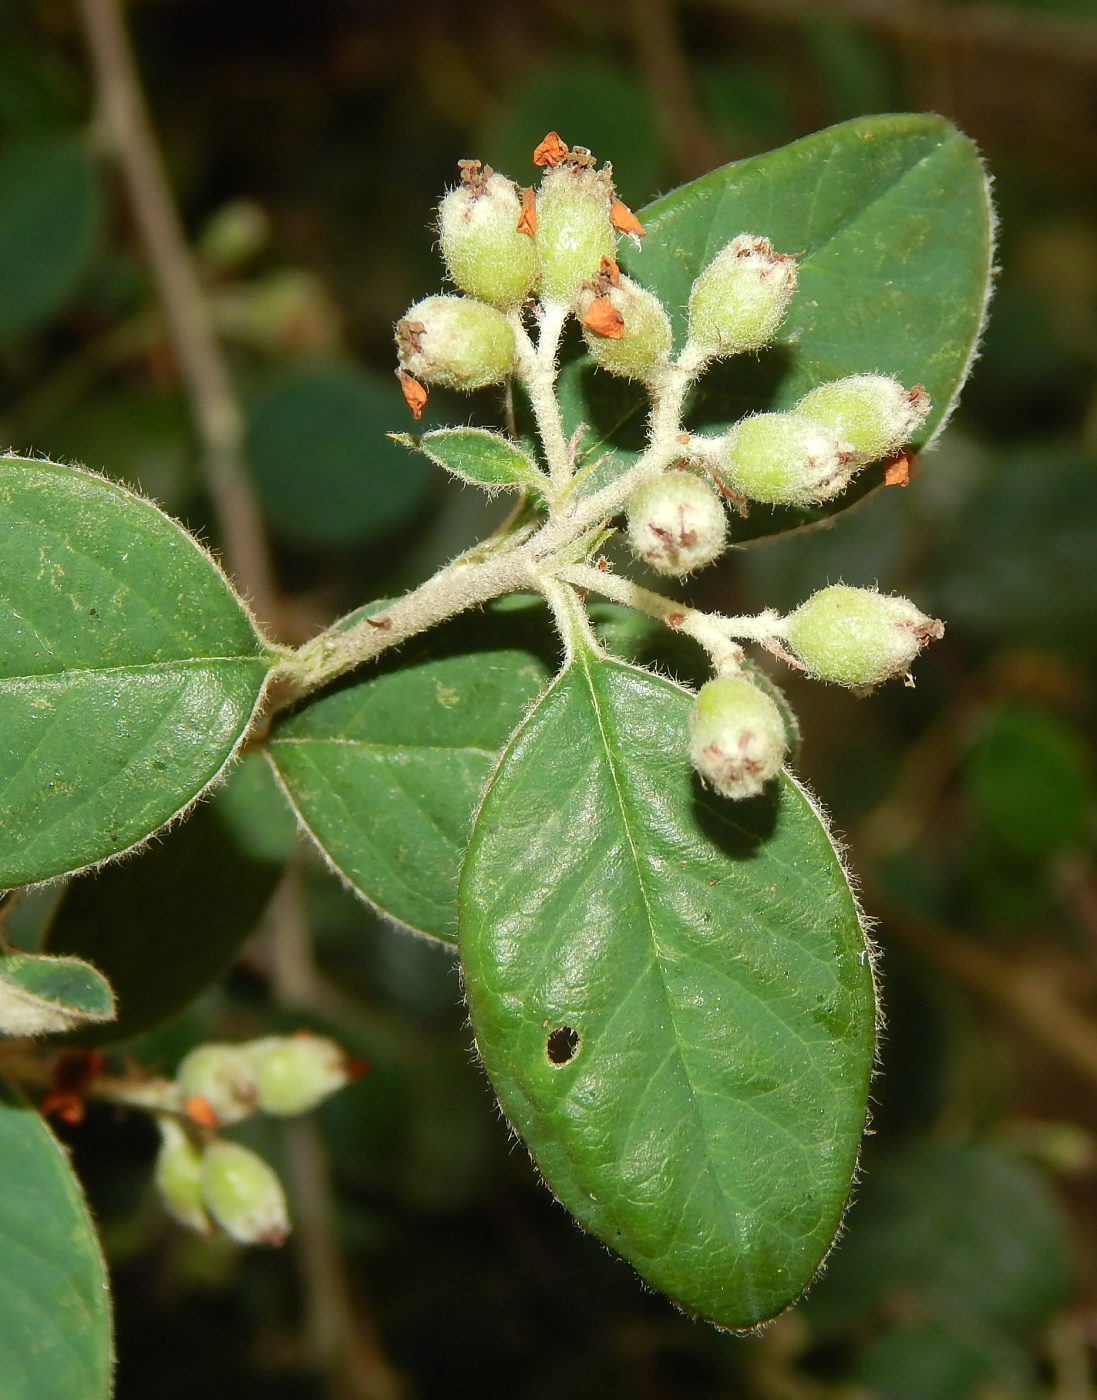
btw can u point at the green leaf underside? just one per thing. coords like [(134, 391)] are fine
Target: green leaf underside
[(892, 219), (128, 670), (476, 455), (386, 772), (55, 1343), (709, 955)]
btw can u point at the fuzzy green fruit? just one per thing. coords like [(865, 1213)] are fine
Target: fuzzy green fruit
[(478, 229), (179, 1177), (574, 233), (221, 1076), (872, 412), (456, 342), (638, 342), (736, 737), (738, 301), (243, 1194), (294, 1073), (784, 459), (677, 524), (857, 637)]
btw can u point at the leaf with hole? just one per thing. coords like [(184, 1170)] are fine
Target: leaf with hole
[(385, 771), (890, 220), (129, 670), (55, 1343), (474, 454), (671, 994)]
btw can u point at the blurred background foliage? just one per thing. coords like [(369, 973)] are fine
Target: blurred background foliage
[(307, 144)]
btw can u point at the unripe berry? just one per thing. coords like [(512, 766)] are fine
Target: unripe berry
[(736, 736), (179, 1177), (677, 524), (856, 636), (478, 228), (872, 412), (456, 342), (243, 1194), (784, 459), (625, 327), (738, 300), (219, 1077), (574, 232), (295, 1072)]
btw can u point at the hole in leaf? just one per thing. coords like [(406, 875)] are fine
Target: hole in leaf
[(561, 1045)]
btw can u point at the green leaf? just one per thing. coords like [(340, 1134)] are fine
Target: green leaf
[(326, 472), (55, 1343), (40, 995), (474, 454), (129, 670), (50, 210), (166, 924), (701, 962), (892, 221), (386, 771)]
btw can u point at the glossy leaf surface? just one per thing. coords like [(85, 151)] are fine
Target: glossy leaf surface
[(55, 1342), (386, 770), (891, 222), (128, 670), (671, 995), (474, 454)]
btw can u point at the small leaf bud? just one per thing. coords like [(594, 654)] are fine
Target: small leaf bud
[(243, 1194), (857, 637), (221, 1077), (478, 224), (574, 233), (456, 342), (295, 1072), (677, 524), (638, 337), (179, 1176), (872, 412), (738, 300), (784, 459), (736, 736)]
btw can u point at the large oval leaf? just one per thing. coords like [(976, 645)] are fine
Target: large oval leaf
[(671, 994), (892, 220), (128, 669), (55, 1343), (386, 771)]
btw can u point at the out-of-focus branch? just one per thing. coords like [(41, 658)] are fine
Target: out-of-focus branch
[(340, 1330), (975, 26), (127, 129), (664, 63)]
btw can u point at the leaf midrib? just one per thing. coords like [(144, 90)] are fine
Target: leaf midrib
[(127, 668)]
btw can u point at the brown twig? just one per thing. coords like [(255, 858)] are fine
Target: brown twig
[(127, 129), (664, 63)]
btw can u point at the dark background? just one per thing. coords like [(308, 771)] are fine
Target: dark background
[(968, 1269)]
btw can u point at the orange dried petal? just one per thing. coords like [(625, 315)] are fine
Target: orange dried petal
[(551, 151), (604, 319), (898, 471), (415, 396), (624, 220), (611, 272), (200, 1111), (66, 1106), (527, 220)]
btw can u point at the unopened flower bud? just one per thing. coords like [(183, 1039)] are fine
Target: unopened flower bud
[(243, 1194), (456, 342), (574, 232), (295, 1072), (738, 300), (677, 524), (736, 736), (784, 459), (625, 327), (856, 636), (217, 1085), (179, 1176), (872, 412), (485, 253)]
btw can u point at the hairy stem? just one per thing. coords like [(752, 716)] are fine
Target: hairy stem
[(125, 122), (537, 371)]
